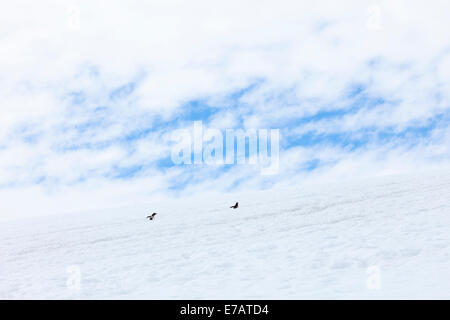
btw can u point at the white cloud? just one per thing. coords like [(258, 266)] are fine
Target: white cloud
[(303, 57)]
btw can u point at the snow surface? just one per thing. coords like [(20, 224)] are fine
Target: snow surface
[(313, 242)]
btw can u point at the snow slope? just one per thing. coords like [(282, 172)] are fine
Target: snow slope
[(314, 242)]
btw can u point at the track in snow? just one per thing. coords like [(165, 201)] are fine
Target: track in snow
[(307, 243)]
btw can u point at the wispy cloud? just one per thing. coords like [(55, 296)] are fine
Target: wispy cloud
[(90, 97)]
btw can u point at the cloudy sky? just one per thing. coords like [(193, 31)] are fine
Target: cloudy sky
[(91, 92)]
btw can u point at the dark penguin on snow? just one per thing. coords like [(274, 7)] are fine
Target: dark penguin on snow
[(152, 216), (235, 206)]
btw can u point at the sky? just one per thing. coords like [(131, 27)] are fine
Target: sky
[(92, 92)]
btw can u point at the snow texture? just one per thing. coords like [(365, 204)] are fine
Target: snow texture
[(384, 238)]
